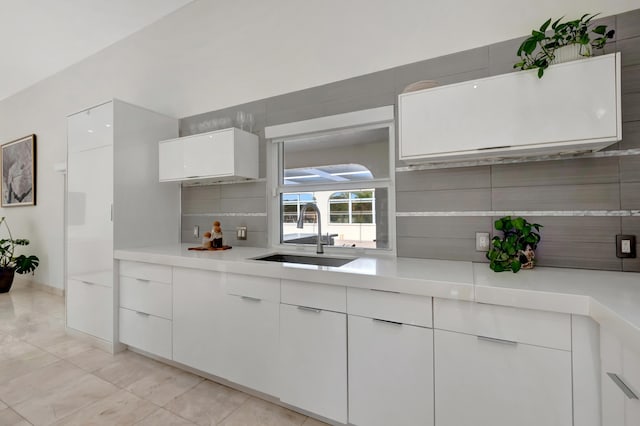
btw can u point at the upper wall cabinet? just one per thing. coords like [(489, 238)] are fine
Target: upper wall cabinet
[(574, 107), (215, 156)]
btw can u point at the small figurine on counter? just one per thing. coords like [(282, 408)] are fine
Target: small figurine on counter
[(207, 240), (217, 235)]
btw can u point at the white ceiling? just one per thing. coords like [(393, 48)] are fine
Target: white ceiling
[(38, 38)]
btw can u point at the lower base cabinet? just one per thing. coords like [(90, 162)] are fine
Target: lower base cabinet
[(313, 360), (146, 332), (90, 308), (390, 373), (620, 382), (197, 319), (250, 336), (489, 382)]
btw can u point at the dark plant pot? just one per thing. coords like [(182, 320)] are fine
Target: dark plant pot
[(6, 279)]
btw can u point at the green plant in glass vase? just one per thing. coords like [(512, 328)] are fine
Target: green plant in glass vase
[(10, 263), (515, 248), (539, 49)]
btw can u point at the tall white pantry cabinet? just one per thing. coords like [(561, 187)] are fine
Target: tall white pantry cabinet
[(113, 201)]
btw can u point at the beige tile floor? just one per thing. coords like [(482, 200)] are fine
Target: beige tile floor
[(47, 377)]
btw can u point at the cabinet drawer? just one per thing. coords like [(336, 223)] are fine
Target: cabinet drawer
[(146, 332), (90, 309), (319, 296), (146, 271), (397, 307), (150, 297), (252, 286), (534, 327)]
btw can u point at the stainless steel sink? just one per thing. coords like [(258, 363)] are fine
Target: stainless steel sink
[(307, 260)]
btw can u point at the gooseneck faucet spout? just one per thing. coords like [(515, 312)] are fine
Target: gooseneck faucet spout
[(312, 206)]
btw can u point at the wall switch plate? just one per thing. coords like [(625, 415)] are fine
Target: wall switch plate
[(482, 241), (196, 231), (241, 233), (626, 246)]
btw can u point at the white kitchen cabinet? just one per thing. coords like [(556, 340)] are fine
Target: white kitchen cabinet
[(620, 381), (146, 332), (250, 336), (197, 319), (113, 201), (145, 310), (483, 381), (313, 360), (90, 308), (390, 373), (503, 115), (215, 156)]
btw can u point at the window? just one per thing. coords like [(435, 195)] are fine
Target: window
[(352, 207), (346, 174)]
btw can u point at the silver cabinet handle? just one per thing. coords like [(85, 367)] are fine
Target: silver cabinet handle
[(494, 340), (87, 283), (144, 314), (250, 299), (622, 385), (387, 321), (385, 291), (142, 280), (307, 309)]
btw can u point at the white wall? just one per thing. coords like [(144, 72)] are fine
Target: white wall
[(213, 53)]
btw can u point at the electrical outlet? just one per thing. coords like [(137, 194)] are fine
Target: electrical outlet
[(241, 233), (626, 246), (482, 241), (196, 232)]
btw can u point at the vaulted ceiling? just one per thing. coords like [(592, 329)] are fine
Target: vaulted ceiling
[(39, 38)]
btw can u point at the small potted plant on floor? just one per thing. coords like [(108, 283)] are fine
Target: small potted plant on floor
[(515, 250), (10, 263), (566, 41)]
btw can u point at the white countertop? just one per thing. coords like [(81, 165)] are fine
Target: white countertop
[(610, 298), (438, 278)]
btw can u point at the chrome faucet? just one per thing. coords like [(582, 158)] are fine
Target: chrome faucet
[(319, 248)]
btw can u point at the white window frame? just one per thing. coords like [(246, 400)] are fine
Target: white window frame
[(376, 118)]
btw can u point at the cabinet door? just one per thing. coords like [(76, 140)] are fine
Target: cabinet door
[(482, 382), (171, 165), (210, 154), (390, 373), (313, 361), (89, 210), (250, 351), (631, 369), (197, 302), (611, 363), (90, 308), (90, 129), (448, 119)]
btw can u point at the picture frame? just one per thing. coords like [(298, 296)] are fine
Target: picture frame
[(19, 172)]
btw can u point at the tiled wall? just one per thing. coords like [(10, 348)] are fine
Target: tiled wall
[(581, 186)]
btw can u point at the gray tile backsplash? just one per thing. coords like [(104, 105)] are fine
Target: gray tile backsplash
[(584, 184)]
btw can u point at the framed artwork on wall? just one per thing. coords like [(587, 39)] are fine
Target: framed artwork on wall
[(19, 172)]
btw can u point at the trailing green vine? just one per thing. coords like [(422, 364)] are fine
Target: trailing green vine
[(507, 253)]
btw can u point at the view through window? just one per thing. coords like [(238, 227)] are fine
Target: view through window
[(346, 176)]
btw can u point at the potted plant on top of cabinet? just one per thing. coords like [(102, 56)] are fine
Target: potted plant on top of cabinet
[(567, 41), (515, 250), (10, 263)]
